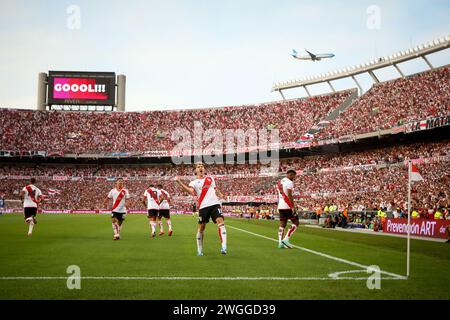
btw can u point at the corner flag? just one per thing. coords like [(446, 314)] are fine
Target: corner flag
[(415, 174)]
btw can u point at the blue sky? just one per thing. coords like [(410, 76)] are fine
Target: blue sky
[(189, 54)]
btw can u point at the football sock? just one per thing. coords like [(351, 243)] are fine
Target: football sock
[(199, 241), (161, 227), (290, 232), (280, 234), (115, 227), (223, 235), (30, 226), (153, 226), (169, 224)]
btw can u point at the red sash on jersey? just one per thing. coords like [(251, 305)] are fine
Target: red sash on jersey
[(164, 195), (30, 194), (205, 188), (285, 197), (118, 199), (153, 194)]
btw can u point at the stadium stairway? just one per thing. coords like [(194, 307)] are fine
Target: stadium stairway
[(336, 112)]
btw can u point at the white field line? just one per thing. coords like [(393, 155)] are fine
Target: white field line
[(109, 278), (394, 275)]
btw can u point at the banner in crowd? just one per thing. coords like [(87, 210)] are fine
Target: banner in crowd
[(428, 124), (24, 177), (57, 211), (419, 227), (60, 178), (428, 160), (9, 153), (246, 199), (348, 138)]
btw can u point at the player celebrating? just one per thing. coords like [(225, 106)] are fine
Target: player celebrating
[(164, 210), (119, 195), (151, 200), (286, 208), (31, 196), (209, 205)]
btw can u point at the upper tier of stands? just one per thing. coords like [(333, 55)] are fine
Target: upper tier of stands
[(89, 132), (386, 105), (394, 103)]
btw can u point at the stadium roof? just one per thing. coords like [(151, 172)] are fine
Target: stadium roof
[(420, 51)]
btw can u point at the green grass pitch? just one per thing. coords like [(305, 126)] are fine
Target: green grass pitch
[(253, 269)]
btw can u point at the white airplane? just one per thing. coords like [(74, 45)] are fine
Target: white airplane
[(312, 56)]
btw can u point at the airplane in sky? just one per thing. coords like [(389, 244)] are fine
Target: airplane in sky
[(312, 56)]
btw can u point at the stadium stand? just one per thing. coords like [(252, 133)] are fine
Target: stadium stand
[(356, 181), (96, 133), (393, 103), (364, 180)]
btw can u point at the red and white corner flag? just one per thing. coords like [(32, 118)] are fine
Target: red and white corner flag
[(415, 174)]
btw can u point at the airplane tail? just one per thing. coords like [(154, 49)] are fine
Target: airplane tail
[(294, 52)]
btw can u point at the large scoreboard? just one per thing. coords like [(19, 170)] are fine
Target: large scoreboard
[(81, 88)]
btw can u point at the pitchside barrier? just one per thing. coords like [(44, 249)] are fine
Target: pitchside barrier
[(419, 227)]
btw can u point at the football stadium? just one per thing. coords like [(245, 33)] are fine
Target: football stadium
[(341, 192)]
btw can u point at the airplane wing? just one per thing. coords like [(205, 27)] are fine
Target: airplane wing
[(313, 56)]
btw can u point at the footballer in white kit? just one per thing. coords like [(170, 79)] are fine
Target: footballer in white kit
[(31, 196), (151, 200), (286, 208), (209, 205), (119, 196), (164, 210)]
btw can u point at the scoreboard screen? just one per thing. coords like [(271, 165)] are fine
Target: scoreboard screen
[(81, 88)]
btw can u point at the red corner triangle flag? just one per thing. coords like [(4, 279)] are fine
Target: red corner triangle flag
[(415, 174)]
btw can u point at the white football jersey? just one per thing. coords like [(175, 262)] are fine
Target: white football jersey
[(210, 198), (113, 194), (286, 185), (151, 203), (164, 204), (28, 199)]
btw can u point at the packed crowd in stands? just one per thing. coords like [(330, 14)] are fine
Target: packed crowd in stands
[(388, 155), (356, 189), (394, 103), (336, 180), (96, 132)]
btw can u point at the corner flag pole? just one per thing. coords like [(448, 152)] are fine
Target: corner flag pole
[(408, 241)]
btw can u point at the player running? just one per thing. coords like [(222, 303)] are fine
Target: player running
[(164, 210), (151, 200), (209, 205), (286, 208), (119, 196), (31, 196)]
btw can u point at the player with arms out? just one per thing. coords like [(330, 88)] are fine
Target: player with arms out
[(209, 205), (119, 196), (164, 210), (31, 196), (286, 208), (151, 200)]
